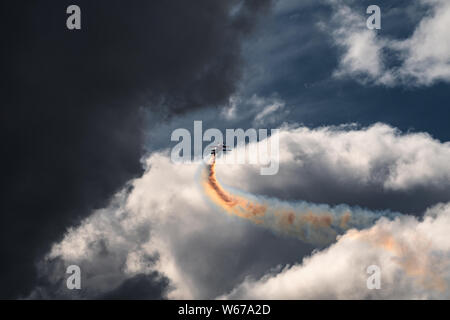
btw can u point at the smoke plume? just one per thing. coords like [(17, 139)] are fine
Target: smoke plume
[(317, 224)]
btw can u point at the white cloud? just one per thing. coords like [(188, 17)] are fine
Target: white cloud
[(163, 222), (362, 56), (414, 257), (378, 154), (427, 52), (425, 56), (269, 111)]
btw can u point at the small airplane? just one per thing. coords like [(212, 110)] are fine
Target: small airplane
[(219, 147)]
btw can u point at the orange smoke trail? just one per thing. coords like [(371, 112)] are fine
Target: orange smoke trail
[(231, 203), (315, 227), (323, 227)]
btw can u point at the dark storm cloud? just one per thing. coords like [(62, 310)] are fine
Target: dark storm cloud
[(72, 104)]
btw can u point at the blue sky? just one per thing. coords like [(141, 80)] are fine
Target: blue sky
[(294, 57)]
